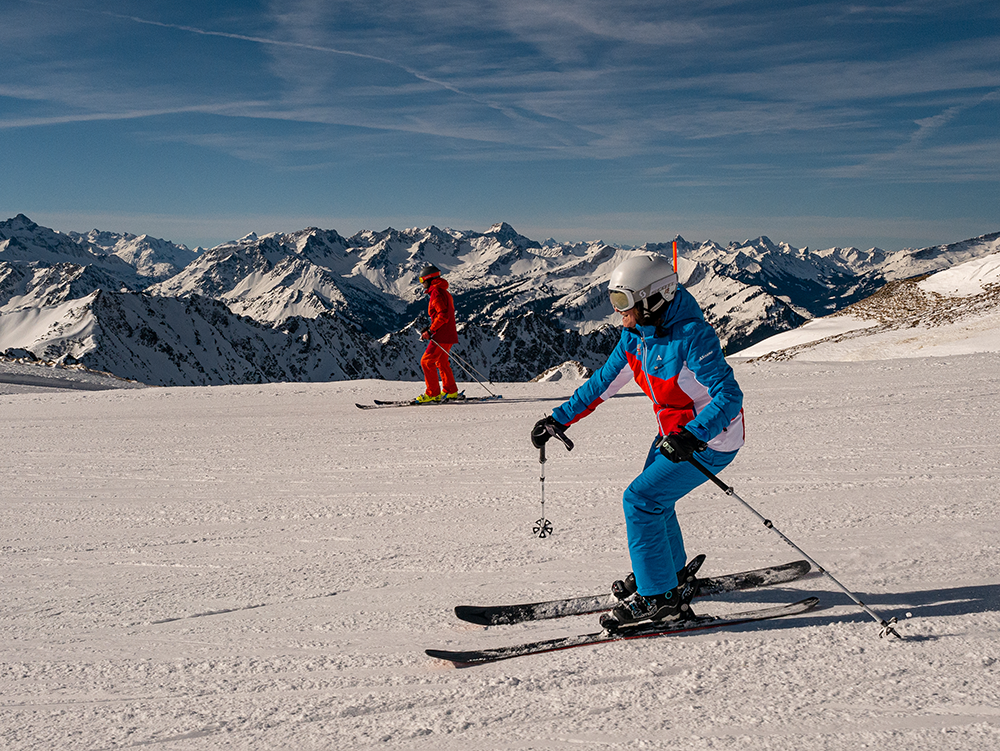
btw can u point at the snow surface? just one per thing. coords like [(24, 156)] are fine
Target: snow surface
[(810, 331), (21, 377), (966, 279), (261, 567)]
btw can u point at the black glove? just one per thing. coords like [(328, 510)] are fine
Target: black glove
[(681, 446), (544, 429)]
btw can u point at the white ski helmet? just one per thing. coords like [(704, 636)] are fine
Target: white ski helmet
[(647, 281)]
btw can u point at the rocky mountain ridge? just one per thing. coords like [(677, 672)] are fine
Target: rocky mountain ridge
[(313, 305)]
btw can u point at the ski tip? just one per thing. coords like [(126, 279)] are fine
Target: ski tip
[(472, 614), (808, 604), (455, 658)]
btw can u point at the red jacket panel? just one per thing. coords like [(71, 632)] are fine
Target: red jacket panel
[(441, 309)]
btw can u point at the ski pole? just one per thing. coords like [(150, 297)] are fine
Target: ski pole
[(543, 527), (467, 366), (887, 625), (464, 367)]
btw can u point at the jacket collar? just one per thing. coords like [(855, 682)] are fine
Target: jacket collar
[(682, 308), (437, 282)]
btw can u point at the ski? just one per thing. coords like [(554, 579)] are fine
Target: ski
[(642, 630), (495, 615), (382, 404)]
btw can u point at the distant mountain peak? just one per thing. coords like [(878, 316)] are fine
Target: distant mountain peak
[(19, 223), (507, 235), (312, 305)]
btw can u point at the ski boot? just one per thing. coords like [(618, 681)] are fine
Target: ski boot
[(636, 607), (456, 397), (687, 583), (427, 398)]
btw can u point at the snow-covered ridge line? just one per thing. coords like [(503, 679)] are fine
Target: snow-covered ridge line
[(951, 312), (313, 305)]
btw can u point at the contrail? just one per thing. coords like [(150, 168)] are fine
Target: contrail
[(264, 40), (507, 111), (28, 122)]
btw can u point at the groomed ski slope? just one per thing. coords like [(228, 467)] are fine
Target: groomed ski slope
[(261, 567)]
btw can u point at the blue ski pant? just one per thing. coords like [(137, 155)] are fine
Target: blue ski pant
[(655, 543)]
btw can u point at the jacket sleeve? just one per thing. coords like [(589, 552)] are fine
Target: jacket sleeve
[(600, 387), (708, 365)]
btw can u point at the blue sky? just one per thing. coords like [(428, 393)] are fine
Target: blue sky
[(815, 123)]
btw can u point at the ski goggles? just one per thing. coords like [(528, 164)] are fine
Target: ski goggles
[(623, 300), (432, 275)]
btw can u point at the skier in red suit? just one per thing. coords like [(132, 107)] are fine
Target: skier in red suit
[(442, 335)]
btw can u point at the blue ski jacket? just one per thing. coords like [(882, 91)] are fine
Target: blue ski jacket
[(680, 366)]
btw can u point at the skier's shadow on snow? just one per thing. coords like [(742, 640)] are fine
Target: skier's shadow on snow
[(918, 604)]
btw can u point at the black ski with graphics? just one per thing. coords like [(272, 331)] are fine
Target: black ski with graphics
[(495, 615), (644, 630)]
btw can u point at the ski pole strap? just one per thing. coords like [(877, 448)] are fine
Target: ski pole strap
[(559, 433)]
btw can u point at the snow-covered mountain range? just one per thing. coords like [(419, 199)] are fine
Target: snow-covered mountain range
[(315, 306)]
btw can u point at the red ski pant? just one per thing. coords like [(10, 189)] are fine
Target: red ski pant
[(436, 359)]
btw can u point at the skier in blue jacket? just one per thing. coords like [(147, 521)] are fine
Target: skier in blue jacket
[(675, 357)]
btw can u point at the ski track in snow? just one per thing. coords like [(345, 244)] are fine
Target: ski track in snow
[(258, 567)]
